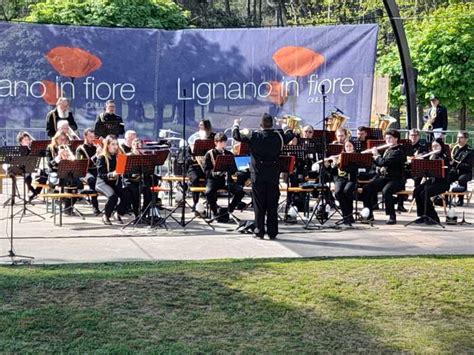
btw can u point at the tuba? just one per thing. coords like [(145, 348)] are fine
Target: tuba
[(293, 123), (385, 121), (336, 120)]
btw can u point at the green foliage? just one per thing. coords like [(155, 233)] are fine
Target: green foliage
[(362, 305), (114, 13), (442, 49)]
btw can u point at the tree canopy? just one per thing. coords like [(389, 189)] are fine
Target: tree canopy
[(164, 14)]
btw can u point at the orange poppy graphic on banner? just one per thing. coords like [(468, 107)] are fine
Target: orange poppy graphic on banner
[(73, 62), (297, 61), (51, 93), (278, 94)]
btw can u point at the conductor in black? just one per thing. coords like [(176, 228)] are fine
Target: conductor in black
[(265, 148)]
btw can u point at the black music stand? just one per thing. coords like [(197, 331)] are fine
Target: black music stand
[(112, 128), (145, 166), (68, 171), (427, 169), (359, 161), (373, 133), (11, 253), (22, 166), (7, 154), (39, 147), (75, 143), (224, 164), (328, 136)]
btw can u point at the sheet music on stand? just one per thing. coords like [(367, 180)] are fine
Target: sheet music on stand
[(225, 163), (7, 152), (38, 147), (140, 164), (202, 146), (356, 159), (293, 150), (330, 135), (311, 147)]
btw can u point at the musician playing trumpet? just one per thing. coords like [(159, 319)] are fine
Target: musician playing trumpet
[(389, 179)]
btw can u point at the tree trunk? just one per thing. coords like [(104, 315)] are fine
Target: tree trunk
[(249, 12), (254, 16), (227, 7), (260, 13), (463, 117)]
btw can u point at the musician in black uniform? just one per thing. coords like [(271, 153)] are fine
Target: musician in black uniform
[(195, 172), (390, 178), (461, 165), (126, 146), (417, 147), (61, 112), (436, 118), (217, 180), (90, 151), (108, 182), (265, 148), (431, 186), (360, 143), (108, 116), (24, 140), (346, 182)]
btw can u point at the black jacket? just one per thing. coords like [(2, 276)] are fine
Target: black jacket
[(52, 119), (441, 120), (393, 161), (100, 129), (86, 151), (462, 159), (265, 148), (105, 167)]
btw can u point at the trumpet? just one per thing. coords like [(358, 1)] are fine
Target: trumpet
[(69, 154), (380, 147), (72, 135)]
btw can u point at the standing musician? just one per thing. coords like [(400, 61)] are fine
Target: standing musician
[(217, 180), (90, 151), (108, 181), (61, 112), (24, 139), (431, 187), (436, 119), (390, 178), (57, 151), (108, 116), (265, 148), (194, 171), (126, 146), (346, 182), (461, 166), (341, 136)]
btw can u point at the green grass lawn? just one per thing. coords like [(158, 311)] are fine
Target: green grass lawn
[(420, 304)]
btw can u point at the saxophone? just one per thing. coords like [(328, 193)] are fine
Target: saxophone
[(428, 126)]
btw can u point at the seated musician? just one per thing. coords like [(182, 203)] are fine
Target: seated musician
[(461, 165), (361, 140), (90, 151), (60, 112), (417, 147), (346, 182), (389, 179), (57, 151), (217, 180), (24, 140), (431, 187), (341, 136), (195, 172), (109, 183), (64, 127), (126, 146), (108, 116)]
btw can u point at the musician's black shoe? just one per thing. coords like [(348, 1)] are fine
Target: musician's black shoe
[(96, 211), (430, 222), (420, 220), (460, 203), (392, 220), (401, 209), (118, 218), (106, 220), (273, 237), (257, 236)]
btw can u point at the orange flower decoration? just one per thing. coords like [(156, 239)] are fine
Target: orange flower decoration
[(73, 62), (297, 61), (52, 93), (277, 93)]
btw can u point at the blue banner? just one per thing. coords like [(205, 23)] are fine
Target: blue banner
[(159, 78)]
